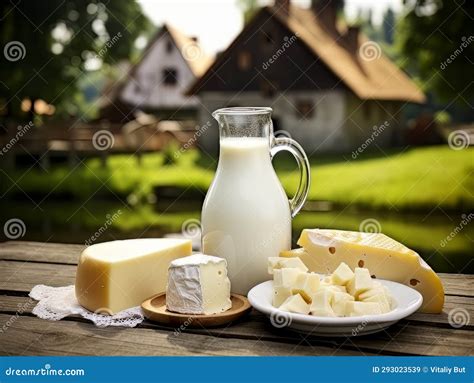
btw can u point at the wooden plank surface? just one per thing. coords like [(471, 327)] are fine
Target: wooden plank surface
[(25, 337), (41, 252), (25, 264)]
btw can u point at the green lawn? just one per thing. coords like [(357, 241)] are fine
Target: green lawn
[(420, 178)]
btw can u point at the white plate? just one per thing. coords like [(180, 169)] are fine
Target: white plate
[(407, 301)]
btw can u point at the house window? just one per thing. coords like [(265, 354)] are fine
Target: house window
[(169, 46), (305, 109), (244, 60), (170, 76)]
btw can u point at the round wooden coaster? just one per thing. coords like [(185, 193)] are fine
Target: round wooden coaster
[(155, 310)]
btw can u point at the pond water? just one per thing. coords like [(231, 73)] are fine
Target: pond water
[(444, 241)]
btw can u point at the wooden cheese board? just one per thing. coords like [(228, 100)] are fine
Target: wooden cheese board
[(155, 310)]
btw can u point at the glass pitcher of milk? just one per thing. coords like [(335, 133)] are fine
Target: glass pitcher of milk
[(246, 216)]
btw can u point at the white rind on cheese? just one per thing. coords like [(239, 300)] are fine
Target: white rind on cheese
[(198, 284)]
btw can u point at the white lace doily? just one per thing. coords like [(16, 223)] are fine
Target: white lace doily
[(56, 303)]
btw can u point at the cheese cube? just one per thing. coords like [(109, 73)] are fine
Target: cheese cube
[(285, 277), (279, 263), (306, 285), (354, 308), (323, 250), (198, 284), (295, 304), (280, 294), (342, 274), (114, 276), (338, 302), (381, 300), (371, 292), (360, 283), (321, 303)]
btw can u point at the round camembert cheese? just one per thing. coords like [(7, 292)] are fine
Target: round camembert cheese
[(198, 284)]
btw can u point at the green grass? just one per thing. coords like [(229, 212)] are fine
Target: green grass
[(417, 179)]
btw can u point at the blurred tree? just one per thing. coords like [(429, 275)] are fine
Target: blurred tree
[(48, 45), (249, 8), (436, 45), (388, 26)]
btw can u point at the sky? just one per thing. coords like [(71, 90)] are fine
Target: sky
[(217, 22)]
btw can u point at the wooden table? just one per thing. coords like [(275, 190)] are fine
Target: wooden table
[(26, 264)]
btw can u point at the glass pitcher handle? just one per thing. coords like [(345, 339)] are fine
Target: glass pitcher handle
[(290, 145)]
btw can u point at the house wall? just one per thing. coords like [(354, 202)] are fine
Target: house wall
[(320, 132), (381, 121), (340, 123), (148, 90)]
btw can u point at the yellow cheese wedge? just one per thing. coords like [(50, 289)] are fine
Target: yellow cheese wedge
[(323, 250), (113, 276)]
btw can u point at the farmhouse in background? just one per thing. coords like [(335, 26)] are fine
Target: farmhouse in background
[(327, 84), (158, 82)]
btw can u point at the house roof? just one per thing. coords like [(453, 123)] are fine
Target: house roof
[(375, 77), (198, 61)]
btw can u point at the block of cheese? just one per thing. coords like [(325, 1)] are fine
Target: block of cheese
[(338, 302), (323, 250), (321, 304), (306, 285), (280, 263), (286, 277), (198, 284), (354, 308), (295, 304), (342, 275), (114, 276), (361, 282), (280, 294)]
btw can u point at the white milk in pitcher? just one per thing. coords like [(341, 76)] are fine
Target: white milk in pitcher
[(246, 215)]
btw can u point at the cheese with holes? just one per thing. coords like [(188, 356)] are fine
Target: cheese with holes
[(114, 276), (323, 250), (198, 284)]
